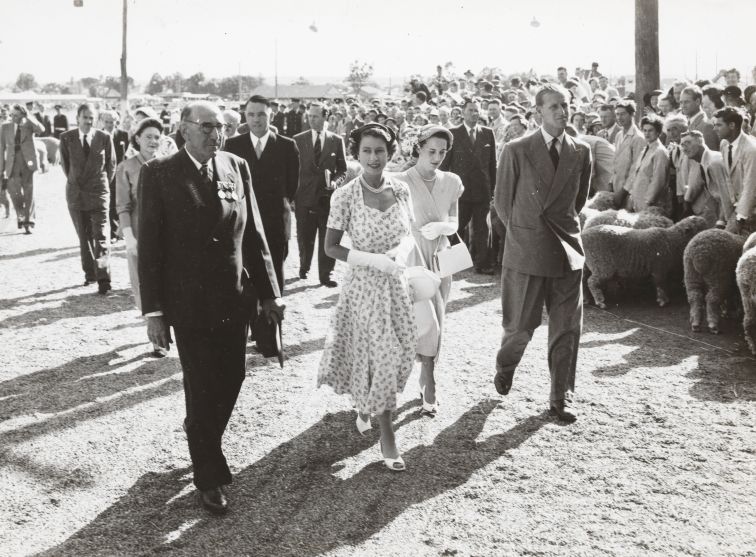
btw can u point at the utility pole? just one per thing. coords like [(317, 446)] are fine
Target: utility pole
[(124, 74), (646, 50)]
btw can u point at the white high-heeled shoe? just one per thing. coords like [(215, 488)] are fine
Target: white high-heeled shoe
[(363, 426), (393, 464), (428, 408)]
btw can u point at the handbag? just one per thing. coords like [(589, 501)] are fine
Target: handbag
[(453, 259)]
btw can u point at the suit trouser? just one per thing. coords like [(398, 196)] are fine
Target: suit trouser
[(522, 300), (213, 364), (477, 212), (93, 229), (21, 190), (313, 221)]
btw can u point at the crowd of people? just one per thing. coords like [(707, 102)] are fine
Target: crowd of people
[(204, 203)]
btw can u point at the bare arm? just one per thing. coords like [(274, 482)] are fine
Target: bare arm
[(333, 247)]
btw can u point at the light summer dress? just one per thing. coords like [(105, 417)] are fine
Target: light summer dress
[(370, 345)]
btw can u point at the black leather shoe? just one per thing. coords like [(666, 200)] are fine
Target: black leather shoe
[(103, 286), (484, 270), (328, 283), (503, 381), (563, 410), (214, 500), (26, 229), (88, 281), (302, 274)]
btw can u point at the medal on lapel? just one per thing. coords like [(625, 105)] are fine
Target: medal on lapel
[(227, 190)]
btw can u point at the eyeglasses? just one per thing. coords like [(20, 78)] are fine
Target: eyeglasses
[(207, 127)]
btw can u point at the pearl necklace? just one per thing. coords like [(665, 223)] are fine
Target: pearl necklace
[(427, 179), (379, 189)]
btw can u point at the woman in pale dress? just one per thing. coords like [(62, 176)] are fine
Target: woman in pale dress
[(146, 142), (370, 346), (434, 201)]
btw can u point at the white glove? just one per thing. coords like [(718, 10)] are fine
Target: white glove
[(433, 230), (131, 242), (379, 261)]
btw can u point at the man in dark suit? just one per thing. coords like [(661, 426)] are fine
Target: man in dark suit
[(542, 184), (277, 117), (293, 119), (273, 161), (473, 159), (319, 151), (88, 160), (353, 122), (202, 253), (60, 122), (18, 163), (109, 124)]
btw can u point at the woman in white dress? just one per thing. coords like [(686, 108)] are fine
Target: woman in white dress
[(370, 345), (434, 202)]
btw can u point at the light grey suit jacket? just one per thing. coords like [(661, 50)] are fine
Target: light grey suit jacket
[(28, 150)]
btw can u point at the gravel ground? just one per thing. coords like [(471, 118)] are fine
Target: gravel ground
[(93, 461)]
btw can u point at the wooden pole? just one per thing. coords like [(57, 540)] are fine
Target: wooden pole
[(124, 74), (646, 50)]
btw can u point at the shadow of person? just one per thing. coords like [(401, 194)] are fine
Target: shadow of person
[(292, 502), (39, 251), (478, 294), (88, 304)]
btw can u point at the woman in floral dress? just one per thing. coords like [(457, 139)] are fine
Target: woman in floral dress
[(435, 196), (370, 346)]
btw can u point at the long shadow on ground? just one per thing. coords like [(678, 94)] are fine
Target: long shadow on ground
[(290, 502)]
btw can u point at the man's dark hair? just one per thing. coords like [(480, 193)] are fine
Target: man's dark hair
[(730, 115), (694, 91), (550, 89), (258, 99), (627, 106), (421, 95), (83, 107), (561, 68)]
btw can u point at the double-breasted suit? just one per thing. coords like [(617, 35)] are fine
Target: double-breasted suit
[(543, 253), (274, 180), (475, 164), (202, 255), (18, 163), (312, 200), (88, 178)]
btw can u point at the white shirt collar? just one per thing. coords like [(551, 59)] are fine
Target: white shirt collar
[(548, 138), (89, 136), (735, 144), (315, 137), (198, 164), (468, 128), (263, 140)]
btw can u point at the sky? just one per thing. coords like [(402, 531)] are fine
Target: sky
[(56, 41)]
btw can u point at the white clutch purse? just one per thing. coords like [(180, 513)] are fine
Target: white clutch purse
[(453, 259)]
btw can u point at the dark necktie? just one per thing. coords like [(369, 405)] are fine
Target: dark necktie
[(17, 145), (205, 176), (86, 147), (703, 175), (317, 149), (554, 153), (729, 157)]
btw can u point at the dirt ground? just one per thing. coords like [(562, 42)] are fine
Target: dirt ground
[(93, 461)]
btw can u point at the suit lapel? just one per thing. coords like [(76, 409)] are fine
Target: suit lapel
[(541, 162), (323, 147), (567, 159), (269, 146)]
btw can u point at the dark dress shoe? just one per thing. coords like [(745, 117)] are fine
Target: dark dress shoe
[(20, 225), (88, 281), (214, 500), (484, 270), (328, 283), (563, 410), (302, 274), (503, 381), (103, 286), (26, 229)]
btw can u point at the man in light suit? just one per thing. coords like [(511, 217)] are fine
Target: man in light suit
[(542, 184), (690, 105), (739, 154), (88, 159), (706, 183), (648, 186), (628, 146), (473, 159), (18, 162), (202, 255), (319, 150)]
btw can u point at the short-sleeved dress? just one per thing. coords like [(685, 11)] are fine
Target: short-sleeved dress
[(370, 345), (432, 206)]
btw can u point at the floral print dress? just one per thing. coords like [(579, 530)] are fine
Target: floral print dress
[(370, 345)]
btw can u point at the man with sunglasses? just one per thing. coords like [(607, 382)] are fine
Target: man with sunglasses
[(203, 254)]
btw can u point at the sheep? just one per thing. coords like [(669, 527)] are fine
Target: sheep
[(640, 220), (615, 251), (745, 273), (602, 201), (709, 261)]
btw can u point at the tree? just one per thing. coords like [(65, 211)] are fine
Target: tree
[(25, 82), (193, 83), (113, 82), (90, 84), (156, 85), (359, 74)]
